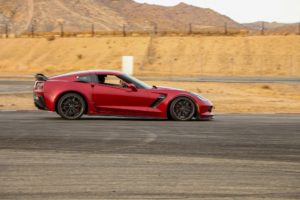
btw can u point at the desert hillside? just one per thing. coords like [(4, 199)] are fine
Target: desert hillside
[(106, 15), (212, 55), (285, 30), (274, 28), (267, 25)]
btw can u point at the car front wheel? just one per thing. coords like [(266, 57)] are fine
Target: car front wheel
[(71, 106), (182, 109)]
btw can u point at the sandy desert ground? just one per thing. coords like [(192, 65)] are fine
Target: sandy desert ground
[(159, 56)]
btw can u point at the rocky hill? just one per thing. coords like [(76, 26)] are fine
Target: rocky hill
[(106, 15)]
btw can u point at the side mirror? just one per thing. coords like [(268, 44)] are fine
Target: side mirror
[(132, 87)]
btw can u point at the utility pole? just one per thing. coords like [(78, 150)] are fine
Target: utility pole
[(155, 28), (124, 30), (62, 34), (190, 28), (262, 28), (6, 30), (225, 28), (32, 30), (299, 28), (93, 30)]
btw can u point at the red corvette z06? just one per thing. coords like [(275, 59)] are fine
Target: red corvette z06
[(114, 93)]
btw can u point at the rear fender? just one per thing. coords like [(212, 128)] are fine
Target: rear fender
[(56, 89)]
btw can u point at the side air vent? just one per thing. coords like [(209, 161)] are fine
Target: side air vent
[(158, 101)]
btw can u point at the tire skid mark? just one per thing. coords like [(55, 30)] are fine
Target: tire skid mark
[(148, 138)]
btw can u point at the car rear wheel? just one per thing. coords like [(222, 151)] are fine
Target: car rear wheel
[(71, 106), (182, 109)]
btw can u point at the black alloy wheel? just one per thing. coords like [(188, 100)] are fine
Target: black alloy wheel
[(182, 109), (71, 106)]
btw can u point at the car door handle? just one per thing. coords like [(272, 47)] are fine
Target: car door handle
[(92, 85)]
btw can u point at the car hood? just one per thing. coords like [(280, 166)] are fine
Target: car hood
[(176, 91), (170, 90)]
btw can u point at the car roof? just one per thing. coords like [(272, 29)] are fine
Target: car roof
[(111, 72)]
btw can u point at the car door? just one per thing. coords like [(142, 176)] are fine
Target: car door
[(113, 99)]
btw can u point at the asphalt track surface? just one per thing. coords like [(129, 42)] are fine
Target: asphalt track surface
[(15, 86), (232, 157)]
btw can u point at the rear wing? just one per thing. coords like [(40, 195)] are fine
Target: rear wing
[(41, 77)]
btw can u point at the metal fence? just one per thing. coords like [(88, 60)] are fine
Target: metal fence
[(94, 30)]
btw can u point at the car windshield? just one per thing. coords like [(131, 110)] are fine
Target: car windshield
[(138, 83)]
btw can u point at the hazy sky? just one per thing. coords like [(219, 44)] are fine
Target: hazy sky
[(287, 11)]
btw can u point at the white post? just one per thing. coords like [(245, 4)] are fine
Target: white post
[(127, 64)]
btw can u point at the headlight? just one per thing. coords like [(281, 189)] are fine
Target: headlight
[(200, 96)]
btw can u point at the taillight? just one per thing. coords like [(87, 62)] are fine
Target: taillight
[(39, 85)]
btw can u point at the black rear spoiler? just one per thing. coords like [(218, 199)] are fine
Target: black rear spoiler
[(41, 77)]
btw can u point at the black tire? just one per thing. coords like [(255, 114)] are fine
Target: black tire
[(182, 109), (71, 106)]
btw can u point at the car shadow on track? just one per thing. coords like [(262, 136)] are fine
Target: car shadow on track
[(100, 118)]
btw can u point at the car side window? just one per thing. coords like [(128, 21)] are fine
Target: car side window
[(111, 80), (84, 79)]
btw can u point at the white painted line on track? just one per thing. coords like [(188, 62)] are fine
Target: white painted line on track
[(21, 111)]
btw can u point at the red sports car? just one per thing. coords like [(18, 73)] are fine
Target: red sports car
[(117, 94)]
